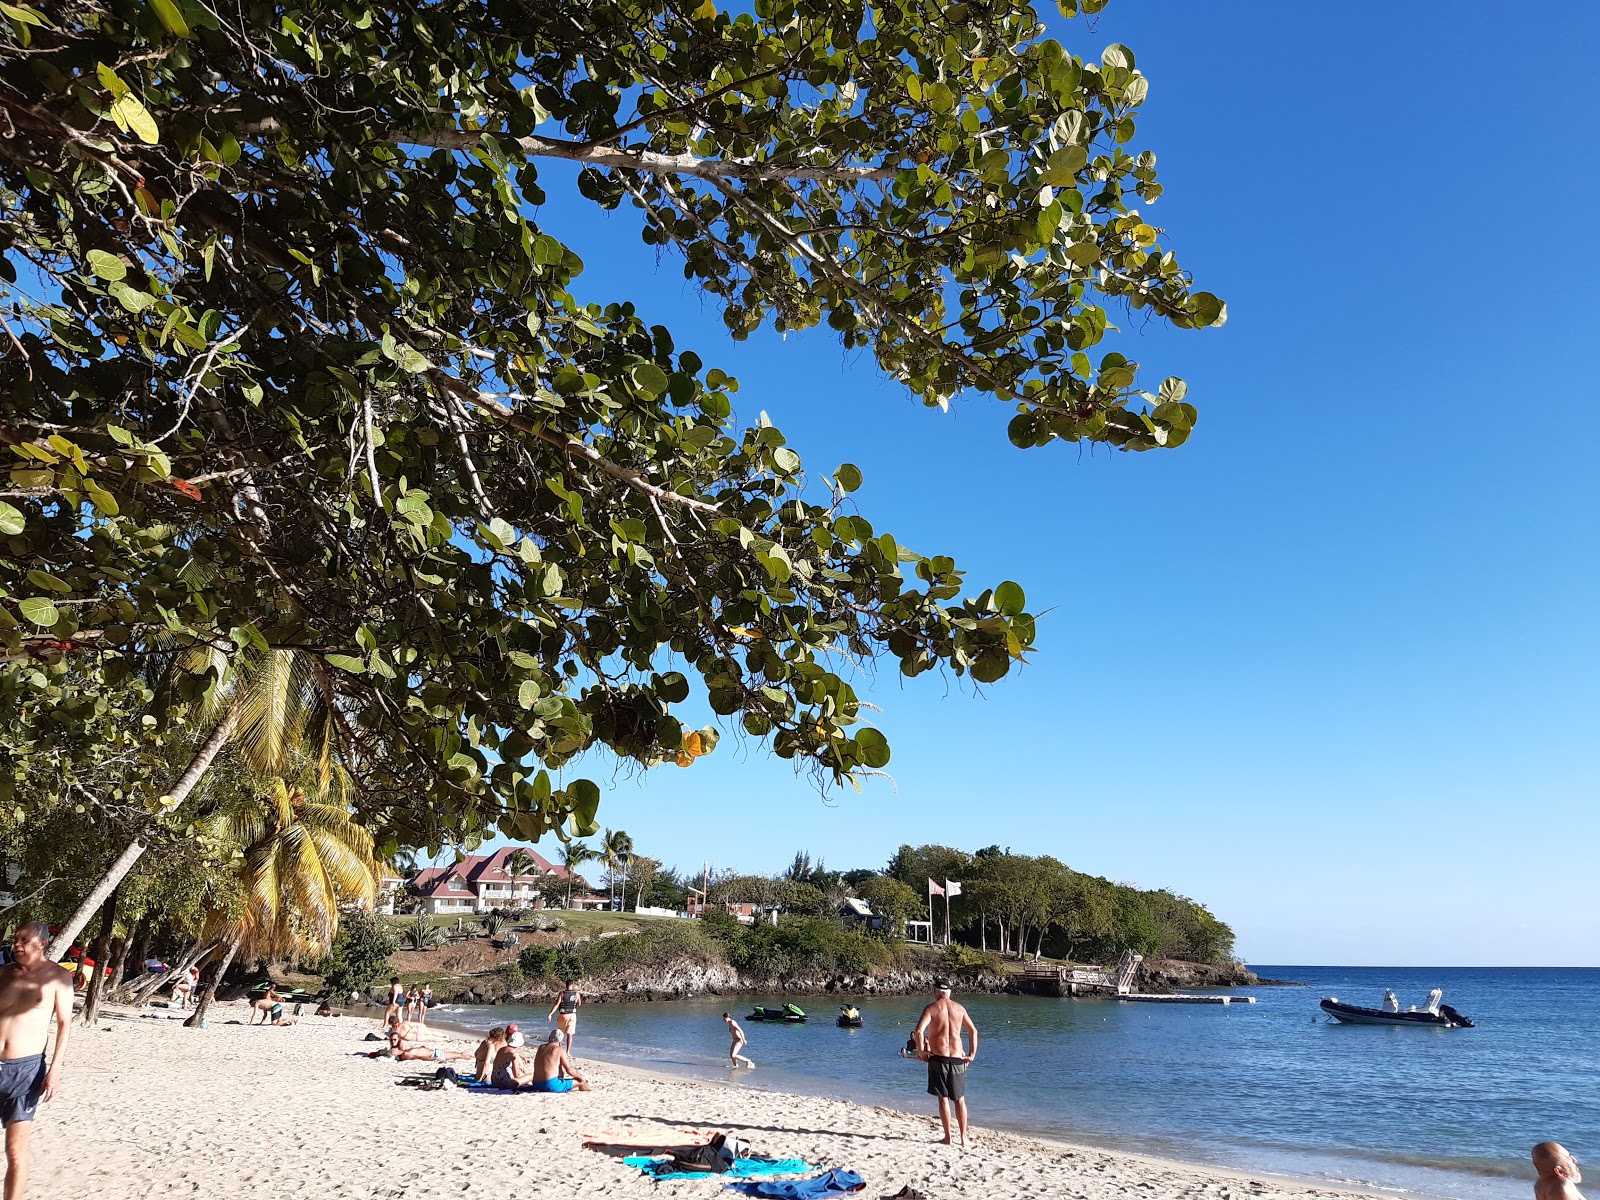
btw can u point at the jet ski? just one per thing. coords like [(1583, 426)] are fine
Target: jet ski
[(790, 1013), (849, 1017)]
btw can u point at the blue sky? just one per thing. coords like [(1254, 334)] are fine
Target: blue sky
[(1331, 666)]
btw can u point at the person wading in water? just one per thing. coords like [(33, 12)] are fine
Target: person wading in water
[(938, 1039)]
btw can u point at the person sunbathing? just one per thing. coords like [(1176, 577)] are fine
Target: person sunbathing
[(1558, 1173), (405, 1046), (553, 1068)]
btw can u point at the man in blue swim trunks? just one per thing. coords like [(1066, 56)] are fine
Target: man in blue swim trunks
[(554, 1070), (31, 989)]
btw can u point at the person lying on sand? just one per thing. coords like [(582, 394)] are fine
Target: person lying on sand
[(418, 1052), (553, 1068), (1558, 1173)]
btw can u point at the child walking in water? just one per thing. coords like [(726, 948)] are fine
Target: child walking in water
[(734, 1056)]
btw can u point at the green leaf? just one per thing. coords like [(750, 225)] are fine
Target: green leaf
[(171, 17), (991, 665), (707, 11), (848, 477), (1207, 310), (11, 520), (1062, 167), (584, 796), (346, 662), (1009, 599), (785, 460), (527, 693), (40, 611), (872, 748), (106, 266), (650, 379), (128, 111)]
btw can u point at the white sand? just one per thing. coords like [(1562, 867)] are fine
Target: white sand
[(149, 1108)]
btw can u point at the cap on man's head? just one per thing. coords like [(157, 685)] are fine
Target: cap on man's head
[(941, 985)]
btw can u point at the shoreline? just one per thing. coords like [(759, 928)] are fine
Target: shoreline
[(148, 1107), (1081, 1141)]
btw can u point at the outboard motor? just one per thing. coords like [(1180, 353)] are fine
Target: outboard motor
[(1455, 1018)]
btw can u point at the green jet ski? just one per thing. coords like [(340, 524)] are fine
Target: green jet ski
[(793, 1014)]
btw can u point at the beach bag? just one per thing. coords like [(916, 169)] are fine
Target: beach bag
[(716, 1156)]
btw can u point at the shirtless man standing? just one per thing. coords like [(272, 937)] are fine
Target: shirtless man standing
[(31, 988), (938, 1039), (737, 1034), (1558, 1173)]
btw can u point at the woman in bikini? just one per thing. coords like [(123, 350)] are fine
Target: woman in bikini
[(564, 1012)]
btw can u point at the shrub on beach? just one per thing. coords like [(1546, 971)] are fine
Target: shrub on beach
[(537, 962), (359, 955), (964, 958)]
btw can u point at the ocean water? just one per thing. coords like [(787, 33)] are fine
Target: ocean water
[(1271, 1087)]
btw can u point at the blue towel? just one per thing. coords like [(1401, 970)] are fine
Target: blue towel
[(834, 1182), (743, 1168)]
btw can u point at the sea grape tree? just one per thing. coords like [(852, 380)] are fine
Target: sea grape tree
[(292, 366)]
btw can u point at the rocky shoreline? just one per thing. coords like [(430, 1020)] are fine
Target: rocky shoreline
[(683, 980)]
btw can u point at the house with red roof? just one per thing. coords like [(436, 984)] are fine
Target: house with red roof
[(481, 882)]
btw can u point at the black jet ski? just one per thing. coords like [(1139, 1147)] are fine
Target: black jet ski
[(790, 1013), (849, 1017)]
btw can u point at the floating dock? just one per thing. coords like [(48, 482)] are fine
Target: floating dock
[(1184, 998)]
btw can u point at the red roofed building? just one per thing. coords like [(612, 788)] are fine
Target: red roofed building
[(481, 882)]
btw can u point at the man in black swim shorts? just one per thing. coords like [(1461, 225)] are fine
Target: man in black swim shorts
[(938, 1039)]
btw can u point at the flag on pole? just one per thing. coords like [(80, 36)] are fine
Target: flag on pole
[(934, 889), (951, 889)]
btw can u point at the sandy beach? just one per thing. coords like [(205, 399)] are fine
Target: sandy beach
[(149, 1108)]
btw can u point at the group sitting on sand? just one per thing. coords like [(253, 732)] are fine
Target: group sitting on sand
[(502, 1058), (548, 1069)]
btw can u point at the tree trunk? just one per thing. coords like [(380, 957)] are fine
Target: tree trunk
[(100, 951), (120, 963), (983, 930), (152, 983), (198, 1017), (140, 943), (192, 775)]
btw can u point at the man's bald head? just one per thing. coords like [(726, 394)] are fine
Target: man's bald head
[(1553, 1160)]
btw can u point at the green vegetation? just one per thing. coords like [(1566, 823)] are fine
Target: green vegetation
[(1037, 905), (360, 954), (319, 471), (794, 948)]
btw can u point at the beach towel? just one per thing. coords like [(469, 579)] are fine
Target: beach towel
[(742, 1168), (834, 1182), (670, 1137)]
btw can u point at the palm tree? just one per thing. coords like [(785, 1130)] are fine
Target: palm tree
[(272, 704), (519, 865), (615, 845), (300, 859), (573, 856)]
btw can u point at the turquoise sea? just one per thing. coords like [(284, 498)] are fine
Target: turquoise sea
[(1269, 1087)]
